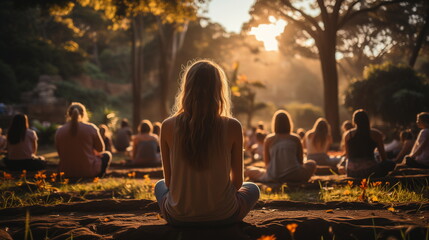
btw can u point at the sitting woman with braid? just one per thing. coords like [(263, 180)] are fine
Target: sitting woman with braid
[(80, 146)]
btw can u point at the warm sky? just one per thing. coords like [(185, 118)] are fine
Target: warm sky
[(233, 13), (230, 13)]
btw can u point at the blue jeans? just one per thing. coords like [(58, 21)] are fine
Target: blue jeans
[(247, 197)]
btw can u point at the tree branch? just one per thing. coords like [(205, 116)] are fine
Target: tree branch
[(350, 15), (301, 24), (336, 11), (324, 13), (306, 16)]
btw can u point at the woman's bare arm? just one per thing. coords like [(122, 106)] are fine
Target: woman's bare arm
[(378, 138), (166, 136), (300, 152), (235, 129), (267, 145)]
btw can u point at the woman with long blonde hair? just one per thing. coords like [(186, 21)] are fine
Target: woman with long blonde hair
[(317, 142), (80, 146), (283, 154), (202, 154)]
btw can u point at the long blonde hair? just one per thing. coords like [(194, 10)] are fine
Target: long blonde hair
[(322, 131), (202, 100), (76, 113)]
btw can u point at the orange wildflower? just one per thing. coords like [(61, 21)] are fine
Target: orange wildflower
[(96, 179), (268, 237), (66, 181), (292, 227), (363, 184), (61, 174), (375, 184), (132, 174), (269, 190), (24, 173), (350, 183), (7, 176)]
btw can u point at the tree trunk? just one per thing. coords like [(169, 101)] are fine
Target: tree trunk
[(137, 67), (330, 83), (171, 42), (419, 41)]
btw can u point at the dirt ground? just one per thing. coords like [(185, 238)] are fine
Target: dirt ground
[(140, 219)]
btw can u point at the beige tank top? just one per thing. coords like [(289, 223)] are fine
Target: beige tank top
[(202, 195)]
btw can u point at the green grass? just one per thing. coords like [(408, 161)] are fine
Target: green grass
[(374, 192), (20, 193), (43, 191)]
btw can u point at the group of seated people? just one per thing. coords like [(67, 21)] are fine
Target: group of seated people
[(202, 150), (290, 157), (84, 149)]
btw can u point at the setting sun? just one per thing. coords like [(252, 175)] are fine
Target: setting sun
[(267, 33)]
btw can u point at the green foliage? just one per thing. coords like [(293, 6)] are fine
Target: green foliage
[(94, 71), (26, 52), (45, 132), (8, 84), (72, 92), (303, 114), (395, 93)]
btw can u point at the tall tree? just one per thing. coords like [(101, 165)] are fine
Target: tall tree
[(136, 12), (322, 21)]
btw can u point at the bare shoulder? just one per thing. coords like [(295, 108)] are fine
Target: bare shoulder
[(295, 137), (168, 123), (270, 138), (375, 133), (234, 124)]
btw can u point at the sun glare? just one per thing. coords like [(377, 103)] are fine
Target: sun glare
[(267, 33)]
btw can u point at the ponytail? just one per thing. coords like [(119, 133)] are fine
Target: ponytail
[(74, 119), (76, 113)]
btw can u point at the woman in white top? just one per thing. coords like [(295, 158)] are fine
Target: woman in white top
[(283, 155), (317, 142), (202, 154), (22, 146)]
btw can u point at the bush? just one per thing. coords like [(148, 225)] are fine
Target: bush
[(72, 92), (395, 93)]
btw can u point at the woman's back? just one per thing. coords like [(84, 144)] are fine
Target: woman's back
[(313, 148), (361, 146), (146, 147), (283, 157), (77, 158), (25, 148), (205, 194)]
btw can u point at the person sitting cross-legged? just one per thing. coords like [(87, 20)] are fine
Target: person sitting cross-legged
[(283, 155), (80, 146), (145, 146), (360, 143), (202, 154)]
